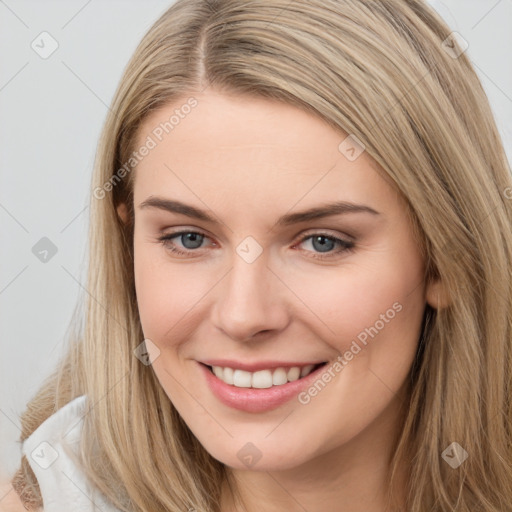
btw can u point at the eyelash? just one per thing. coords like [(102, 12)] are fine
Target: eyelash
[(346, 246)]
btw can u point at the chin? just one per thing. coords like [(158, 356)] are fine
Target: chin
[(253, 456)]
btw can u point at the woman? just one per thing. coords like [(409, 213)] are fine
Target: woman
[(299, 293)]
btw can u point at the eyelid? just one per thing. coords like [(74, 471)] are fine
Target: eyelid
[(327, 232)]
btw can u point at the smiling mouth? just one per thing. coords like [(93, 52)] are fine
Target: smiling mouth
[(262, 379)]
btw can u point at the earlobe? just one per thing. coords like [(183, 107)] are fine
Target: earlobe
[(122, 212), (436, 295)]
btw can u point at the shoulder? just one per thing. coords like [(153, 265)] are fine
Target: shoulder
[(10, 501)]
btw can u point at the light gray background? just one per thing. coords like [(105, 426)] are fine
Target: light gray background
[(51, 113)]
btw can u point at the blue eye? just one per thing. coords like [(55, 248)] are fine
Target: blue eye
[(194, 239), (324, 246), (189, 239)]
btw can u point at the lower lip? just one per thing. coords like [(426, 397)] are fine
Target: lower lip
[(257, 400)]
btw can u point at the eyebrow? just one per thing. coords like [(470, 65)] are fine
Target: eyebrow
[(318, 212)]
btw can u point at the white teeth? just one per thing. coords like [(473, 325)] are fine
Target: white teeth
[(262, 378), (293, 373), (306, 370), (241, 379), (228, 375), (279, 377)]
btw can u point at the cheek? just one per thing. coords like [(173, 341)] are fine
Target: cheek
[(168, 295), (360, 301)]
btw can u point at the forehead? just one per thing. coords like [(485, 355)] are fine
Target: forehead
[(219, 123), (263, 149)]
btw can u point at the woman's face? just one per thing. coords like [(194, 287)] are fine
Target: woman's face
[(247, 280)]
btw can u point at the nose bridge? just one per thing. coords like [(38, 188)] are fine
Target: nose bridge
[(249, 300)]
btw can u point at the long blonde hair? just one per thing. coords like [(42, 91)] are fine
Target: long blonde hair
[(385, 72)]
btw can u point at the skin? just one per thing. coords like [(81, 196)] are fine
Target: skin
[(248, 161), (9, 500)]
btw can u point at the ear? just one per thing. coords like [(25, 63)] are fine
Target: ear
[(437, 295), (122, 212)]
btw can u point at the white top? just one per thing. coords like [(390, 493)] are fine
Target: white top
[(63, 485)]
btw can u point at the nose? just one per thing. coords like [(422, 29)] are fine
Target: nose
[(250, 300)]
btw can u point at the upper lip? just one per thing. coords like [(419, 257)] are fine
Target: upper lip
[(254, 366)]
